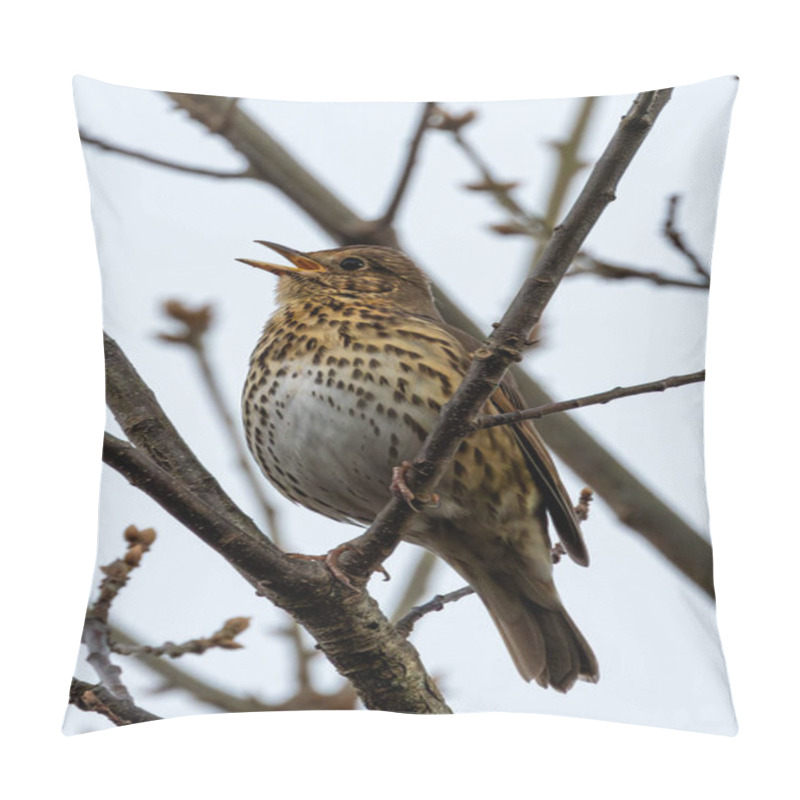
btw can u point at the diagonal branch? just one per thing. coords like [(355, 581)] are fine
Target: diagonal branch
[(350, 629), (676, 237), (387, 218), (634, 503), (507, 341), (589, 265), (162, 162), (492, 420), (406, 624), (121, 711)]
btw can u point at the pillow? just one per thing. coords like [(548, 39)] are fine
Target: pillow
[(474, 331)]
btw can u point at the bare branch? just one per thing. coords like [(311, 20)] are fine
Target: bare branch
[(501, 191), (305, 699), (589, 265), (493, 420), (196, 323), (387, 218), (95, 627), (675, 236), (634, 503), (224, 638), (505, 344), (350, 629), (162, 162), (406, 624), (121, 711)]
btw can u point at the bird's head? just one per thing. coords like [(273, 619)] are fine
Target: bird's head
[(368, 273)]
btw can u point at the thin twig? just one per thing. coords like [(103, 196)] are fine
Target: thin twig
[(493, 420), (95, 627), (588, 265), (387, 218), (406, 624), (121, 711), (224, 638), (162, 162), (675, 236), (197, 322), (501, 191)]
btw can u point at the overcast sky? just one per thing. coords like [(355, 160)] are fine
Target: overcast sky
[(164, 234)]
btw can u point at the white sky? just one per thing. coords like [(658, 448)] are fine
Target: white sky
[(163, 234)]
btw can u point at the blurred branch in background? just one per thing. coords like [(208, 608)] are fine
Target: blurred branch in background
[(586, 264)]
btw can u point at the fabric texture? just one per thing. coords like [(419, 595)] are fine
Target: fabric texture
[(293, 293)]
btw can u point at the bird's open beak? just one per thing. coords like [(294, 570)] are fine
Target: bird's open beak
[(301, 262)]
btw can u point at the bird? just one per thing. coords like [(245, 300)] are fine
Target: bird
[(348, 377)]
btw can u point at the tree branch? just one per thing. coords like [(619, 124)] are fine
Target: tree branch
[(676, 237), (492, 420), (120, 711), (634, 503), (387, 218), (406, 624), (505, 344), (350, 629), (162, 162), (589, 265)]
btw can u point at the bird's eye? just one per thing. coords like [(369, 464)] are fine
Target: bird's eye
[(351, 264)]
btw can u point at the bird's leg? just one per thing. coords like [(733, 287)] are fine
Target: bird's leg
[(399, 488)]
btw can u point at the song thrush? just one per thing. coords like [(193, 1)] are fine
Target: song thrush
[(347, 379)]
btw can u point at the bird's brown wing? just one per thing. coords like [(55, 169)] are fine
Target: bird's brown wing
[(507, 398)]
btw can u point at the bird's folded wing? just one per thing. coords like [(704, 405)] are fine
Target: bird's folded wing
[(506, 399)]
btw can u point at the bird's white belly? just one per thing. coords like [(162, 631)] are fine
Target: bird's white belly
[(332, 450)]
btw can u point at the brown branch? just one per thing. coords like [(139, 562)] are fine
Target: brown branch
[(120, 711), (406, 624), (305, 699), (501, 191), (224, 638), (635, 505), (493, 420), (95, 627), (675, 236), (387, 218), (162, 162), (589, 265), (350, 629), (196, 324), (507, 341)]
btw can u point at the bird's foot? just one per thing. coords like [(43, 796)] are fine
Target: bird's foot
[(556, 551), (399, 488), (331, 561)]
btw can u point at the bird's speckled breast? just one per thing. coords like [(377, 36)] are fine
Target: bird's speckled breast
[(333, 402)]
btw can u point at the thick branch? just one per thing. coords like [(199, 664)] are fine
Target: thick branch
[(349, 628), (491, 421), (95, 698)]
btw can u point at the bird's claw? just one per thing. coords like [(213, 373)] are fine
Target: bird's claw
[(331, 561), (399, 488)]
